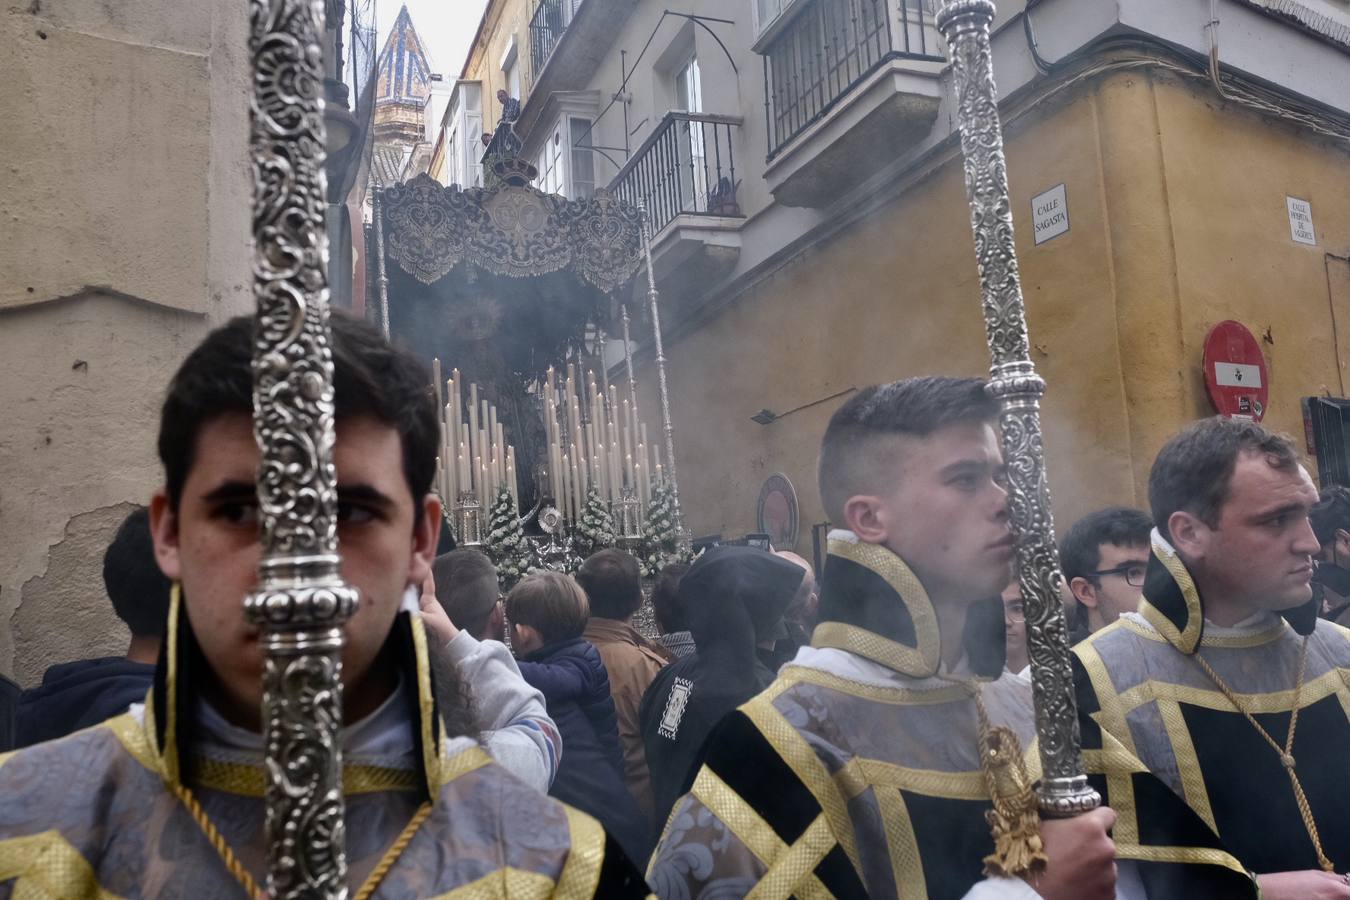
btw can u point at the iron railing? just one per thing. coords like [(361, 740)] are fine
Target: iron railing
[(687, 165), (550, 20), (827, 49)]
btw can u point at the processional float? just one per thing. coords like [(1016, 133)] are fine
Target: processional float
[(515, 285)]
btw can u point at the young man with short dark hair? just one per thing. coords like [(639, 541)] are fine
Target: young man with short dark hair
[(513, 723), (613, 585), (467, 587), (167, 799), (1103, 558), (75, 695), (1224, 690), (858, 771)]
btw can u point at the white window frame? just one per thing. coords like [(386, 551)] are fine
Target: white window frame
[(557, 157)]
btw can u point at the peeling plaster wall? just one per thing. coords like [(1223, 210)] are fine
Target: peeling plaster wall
[(64, 614), (124, 197)]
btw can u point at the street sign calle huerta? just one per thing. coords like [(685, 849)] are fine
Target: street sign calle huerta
[(1235, 372)]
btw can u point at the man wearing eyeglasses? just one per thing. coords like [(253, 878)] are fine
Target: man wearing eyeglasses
[(1104, 557)]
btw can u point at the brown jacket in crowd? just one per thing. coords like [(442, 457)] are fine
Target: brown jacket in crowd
[(632, 662)]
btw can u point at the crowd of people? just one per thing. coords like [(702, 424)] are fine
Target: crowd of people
[(862, 729)]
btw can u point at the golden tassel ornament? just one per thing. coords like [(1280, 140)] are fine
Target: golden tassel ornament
[(1015, 820)]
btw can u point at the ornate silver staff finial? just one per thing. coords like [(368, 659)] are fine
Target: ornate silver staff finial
[(302, 602), (652, 297), (1063, 790)]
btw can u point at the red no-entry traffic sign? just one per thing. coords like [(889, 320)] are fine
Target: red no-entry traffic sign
[(1235, 372)]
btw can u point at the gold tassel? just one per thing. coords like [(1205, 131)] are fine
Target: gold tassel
[(1015, 820)]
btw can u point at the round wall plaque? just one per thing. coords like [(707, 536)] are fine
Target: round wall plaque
[(777, 511)]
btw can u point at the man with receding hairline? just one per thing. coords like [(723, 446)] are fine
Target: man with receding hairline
[(1224, 689), (858, 771)]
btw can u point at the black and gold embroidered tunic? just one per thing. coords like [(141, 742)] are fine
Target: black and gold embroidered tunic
[(856, 773), (145, 805), (1157, 726)]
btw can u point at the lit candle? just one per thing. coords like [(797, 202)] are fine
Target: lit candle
[(436, 380), (578, 480), (465, 481), (644, 489), (475, 448), (603, 476), (564, 498), (511, 476), (641, 466), (628, 450)]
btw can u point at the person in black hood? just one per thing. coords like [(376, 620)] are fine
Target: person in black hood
[(75, 695), (734, 598), (547, 613)]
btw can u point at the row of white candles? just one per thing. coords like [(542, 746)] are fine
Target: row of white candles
[(610, 452), (474, 456)]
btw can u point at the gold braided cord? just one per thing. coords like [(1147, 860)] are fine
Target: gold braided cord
[(393, 853), (1014, 817), (217, 841), (236, 868), (1286, 753)]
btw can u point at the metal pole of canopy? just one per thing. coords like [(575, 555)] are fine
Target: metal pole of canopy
[(1013, 382), (652, 299), (377, 212), (302, 602)]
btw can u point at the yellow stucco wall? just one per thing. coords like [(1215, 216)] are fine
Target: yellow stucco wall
[(502, 21), (1177, 210)]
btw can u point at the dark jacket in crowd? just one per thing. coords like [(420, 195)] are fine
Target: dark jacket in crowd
[(735, 597), (75, 695), (575, 685)]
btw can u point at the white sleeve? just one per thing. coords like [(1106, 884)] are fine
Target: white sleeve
[(1128, 886), (1001, 889), (513, 723)]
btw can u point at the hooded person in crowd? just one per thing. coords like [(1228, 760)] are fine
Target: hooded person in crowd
[(547, 613), (800, 616), (167, 800), (735, 598), (860, 771), (1224, 690), (75, 695), (671, 618)]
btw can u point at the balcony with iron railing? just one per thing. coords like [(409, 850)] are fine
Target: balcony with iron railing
[(569, 40), (684, 174), (686, 167), (551, 18), (842, 79)]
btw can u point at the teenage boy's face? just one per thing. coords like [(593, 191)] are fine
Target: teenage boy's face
[(210, 544), (947, 514)]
